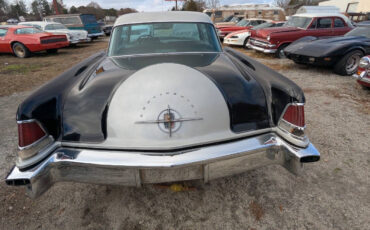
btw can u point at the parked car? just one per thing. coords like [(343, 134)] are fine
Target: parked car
[(343, 53), (107, 29), (274, 40), (12, 21), (232, 21), (363, 73), (363, 23), (73, 36), (168, 106), (22, 41), (78, 22), (241, 25), (240, 38)]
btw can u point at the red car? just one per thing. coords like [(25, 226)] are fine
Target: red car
[(274, 40), (363, 72), (22, 41), (222, 31)]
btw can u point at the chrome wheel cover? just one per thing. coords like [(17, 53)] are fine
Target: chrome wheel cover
[(352, 63), (19, 51)]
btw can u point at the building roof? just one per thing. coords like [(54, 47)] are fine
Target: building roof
[(170, 16)]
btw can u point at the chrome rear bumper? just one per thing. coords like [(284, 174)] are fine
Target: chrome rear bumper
[(136, 168)]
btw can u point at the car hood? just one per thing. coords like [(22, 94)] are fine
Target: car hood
[(323, 46), (263, 33)]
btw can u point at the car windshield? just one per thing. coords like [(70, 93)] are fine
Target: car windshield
[(163, 38), (28, 30), (59, 27), (301, 22), (359, 31), (263, 25), (243, 22), (235, 19), (228, 19)]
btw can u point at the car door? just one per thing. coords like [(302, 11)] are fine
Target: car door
[(340, 27), (4, 41), (324, 26)]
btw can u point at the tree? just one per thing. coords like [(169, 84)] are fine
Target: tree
[(18, 9), (192, 5), (126, 11), (36, 9), (282, 3), (213, 4), (73, 10), (4, 8)]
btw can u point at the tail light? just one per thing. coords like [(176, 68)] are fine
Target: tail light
[(292, 124), (29, 132), (31, 138)]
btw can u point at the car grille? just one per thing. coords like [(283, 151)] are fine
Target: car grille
[(258, 42), (53, 40)]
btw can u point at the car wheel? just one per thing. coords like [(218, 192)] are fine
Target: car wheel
[(21, 50), (245, 43), (349, 63), (280, 51), (52, 51)]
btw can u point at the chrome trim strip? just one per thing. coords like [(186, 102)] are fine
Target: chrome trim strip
[(134, 169), (268, 51), (41, 154), (99, 146), (362, 77), (158, 54)]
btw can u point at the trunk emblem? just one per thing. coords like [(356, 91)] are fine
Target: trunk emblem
[(169, 121)]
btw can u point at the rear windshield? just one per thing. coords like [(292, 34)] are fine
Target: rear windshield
[(163, 38), (88, 19), (28, 30)]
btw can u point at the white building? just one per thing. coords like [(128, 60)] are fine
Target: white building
[(349, 6)]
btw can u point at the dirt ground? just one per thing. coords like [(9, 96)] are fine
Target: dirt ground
[(333, 193)]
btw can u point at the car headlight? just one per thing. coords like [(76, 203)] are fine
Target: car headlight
[(268, 38), (364, 63)]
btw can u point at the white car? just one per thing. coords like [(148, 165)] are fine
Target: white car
[(73, 36), (240, 38)]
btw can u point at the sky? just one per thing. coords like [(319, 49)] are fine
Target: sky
[(146, 5)]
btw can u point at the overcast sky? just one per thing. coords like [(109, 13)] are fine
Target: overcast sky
[(145, 5)]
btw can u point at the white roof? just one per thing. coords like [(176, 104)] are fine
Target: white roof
[(327, 14), (169, 16), (40, 23)]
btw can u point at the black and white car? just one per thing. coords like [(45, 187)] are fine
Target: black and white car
[(164, 103)]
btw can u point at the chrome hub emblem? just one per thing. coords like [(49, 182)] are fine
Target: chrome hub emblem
[(169, 121)]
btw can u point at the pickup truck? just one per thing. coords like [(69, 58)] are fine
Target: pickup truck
[(275, 40)]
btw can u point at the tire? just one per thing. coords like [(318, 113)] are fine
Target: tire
[(348, 64), (20, 50), (245, 43), (280, 51), (52, 51)]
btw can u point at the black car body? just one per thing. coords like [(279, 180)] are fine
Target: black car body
[(107, 29), (341, 52), (132, 119)]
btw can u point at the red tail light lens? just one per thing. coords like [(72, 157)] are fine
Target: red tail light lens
[(29, 132), (294, 114)]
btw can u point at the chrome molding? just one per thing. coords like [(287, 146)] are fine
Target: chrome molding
[(137, 168), (158, 54)]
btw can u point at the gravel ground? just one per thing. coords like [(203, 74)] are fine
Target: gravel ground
[(331, 194)]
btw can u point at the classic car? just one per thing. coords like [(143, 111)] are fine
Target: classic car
[(230, 22), (274, 40), (363, 73), (165, 106), (343, 53), (240, 38), (241, 25), (22, 41), (107, 29), (78, 22), (73, 36)]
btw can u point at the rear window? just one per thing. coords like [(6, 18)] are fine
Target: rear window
[(88, 19), (338, 22), (3, 32), (163, 38), (28, 30)]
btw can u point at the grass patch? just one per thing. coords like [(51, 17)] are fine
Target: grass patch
[(19, 68)]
